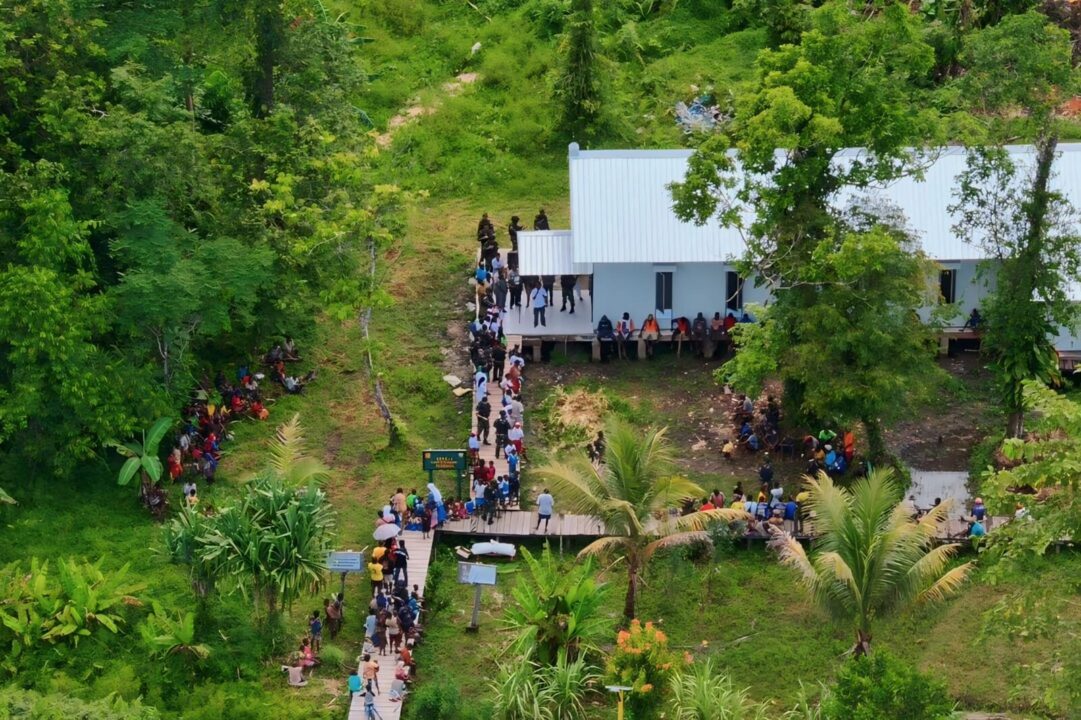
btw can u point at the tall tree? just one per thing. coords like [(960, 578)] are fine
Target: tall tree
[(579, 86), (871, 559), (632, 494), (852, 82), (1023, 63)]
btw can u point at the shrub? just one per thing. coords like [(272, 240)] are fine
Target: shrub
[(18, 703), (642, 661), (435, 700), (881, 686), (332, 656)]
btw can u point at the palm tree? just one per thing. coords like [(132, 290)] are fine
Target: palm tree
[(556, 610), (873, 558), (633, 494)]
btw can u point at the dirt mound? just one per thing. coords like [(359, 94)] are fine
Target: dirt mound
[(580, 409)]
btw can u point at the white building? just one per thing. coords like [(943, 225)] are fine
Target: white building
[(643, 259)]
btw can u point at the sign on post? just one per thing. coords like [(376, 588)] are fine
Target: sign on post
[(478, 575), (345, 561), (432, 460)]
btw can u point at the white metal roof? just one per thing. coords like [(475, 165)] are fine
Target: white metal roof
[(621, 208), (548, 252)]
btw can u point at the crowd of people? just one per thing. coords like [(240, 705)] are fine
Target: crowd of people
[(196, 449), (706, 337)]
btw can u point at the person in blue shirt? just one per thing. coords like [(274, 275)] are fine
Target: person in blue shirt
[(790, 510), (354, 684), (753, 443), (976, 530)]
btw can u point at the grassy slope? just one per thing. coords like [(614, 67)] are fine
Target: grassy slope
[(490, 149)]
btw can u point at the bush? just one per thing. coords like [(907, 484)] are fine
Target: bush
[(643, 661), (881, 686), (18, 703), (436, 700), (333, 657)]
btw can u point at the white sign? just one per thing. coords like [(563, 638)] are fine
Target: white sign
[(347, 561), (476, 574)]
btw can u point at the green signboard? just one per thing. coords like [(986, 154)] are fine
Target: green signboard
[(455, 460)]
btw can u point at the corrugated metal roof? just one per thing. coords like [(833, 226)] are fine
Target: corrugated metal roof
[(548, 252), (621, 208)]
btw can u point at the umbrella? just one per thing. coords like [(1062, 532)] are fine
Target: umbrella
[(386, 532), (825, 435)]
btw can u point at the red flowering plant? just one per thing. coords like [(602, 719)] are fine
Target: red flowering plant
[(643, 662)]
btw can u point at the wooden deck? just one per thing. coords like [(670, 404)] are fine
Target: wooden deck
[(522, 523), (420, 556)]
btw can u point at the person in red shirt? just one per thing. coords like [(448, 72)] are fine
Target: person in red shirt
[(707, 504), (489, 472)]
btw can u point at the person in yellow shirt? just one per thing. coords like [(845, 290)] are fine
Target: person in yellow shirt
[(801, 509), (375, 573), (728, 448)]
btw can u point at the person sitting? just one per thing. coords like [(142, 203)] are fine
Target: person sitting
[(729, 322), (699, 333), (296, 675), (651, 333), (728, 448), (975, 320), (745, 430), (290, 349), (624, 331), (753, 443), (606, 336)]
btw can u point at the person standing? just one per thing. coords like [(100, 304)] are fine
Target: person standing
[(500, 289), (540, 222), (545, 504), (538, 300), (484, 411), (566, 286), (315, 628), (512, 230), (549, 282), (514, 284), (499, 359), (502, 429)]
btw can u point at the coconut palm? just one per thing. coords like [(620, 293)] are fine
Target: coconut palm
[(633, 493), (873, 558)]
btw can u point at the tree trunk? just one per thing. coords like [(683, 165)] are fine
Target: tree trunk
[(269, 35), (863, 644), (632, 592), (1015, 423), (876, 442), (1036, 210)]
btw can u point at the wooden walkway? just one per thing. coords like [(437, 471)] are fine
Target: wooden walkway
[(420, 557), (521, 523)]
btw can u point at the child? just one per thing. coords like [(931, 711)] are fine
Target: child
[(354, 684), (316, 627), (193, 499)]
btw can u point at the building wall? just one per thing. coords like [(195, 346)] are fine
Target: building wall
[(700, 287), (696, 288)]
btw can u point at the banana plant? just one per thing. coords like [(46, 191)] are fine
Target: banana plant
[(165, 635), (142, 457)]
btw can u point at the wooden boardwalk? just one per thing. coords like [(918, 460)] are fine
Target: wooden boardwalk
[(521, 523), (420, 557)]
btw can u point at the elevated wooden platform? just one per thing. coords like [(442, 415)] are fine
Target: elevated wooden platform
[(522, 523)]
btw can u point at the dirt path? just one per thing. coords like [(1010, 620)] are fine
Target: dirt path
[(418, 109)]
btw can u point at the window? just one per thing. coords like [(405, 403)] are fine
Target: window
[(733, 291), (664, 291), (947, 283)]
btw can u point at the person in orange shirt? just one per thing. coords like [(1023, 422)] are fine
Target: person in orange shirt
[(651, 333)]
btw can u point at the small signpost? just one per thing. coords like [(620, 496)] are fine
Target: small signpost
[(432, 460), (345, 562), (478, 575)]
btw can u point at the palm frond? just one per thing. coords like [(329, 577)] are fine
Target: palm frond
[(946, 585), (678, 539), (702, 519), (791, 553), (604, 546)]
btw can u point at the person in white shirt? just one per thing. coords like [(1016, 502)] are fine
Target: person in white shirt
[(538, 300), (480, 386), (545, 504), (474, 444)]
